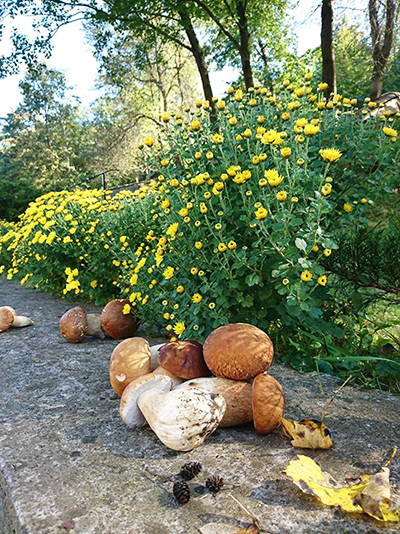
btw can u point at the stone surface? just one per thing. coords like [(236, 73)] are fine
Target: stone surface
[(66, 458)]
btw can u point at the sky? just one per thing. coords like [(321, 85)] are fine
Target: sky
[(73, 56)]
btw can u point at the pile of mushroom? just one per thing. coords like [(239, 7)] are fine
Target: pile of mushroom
[(9, 318), (197, 388), (76, 324)]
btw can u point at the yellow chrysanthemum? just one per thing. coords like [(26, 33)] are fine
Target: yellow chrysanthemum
[(197, 298), (306, 276), (169, 273), (330, 154)]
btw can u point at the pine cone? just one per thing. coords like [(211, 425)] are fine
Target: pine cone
[(181, 492), (190, 470), (214, 483)]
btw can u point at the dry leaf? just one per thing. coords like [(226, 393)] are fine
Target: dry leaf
[(307, 434), (371, 495), (68, 525)]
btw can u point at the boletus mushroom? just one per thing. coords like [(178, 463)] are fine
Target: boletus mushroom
[(9, 318), (238, 351), (184, 359), (181, 419), (176, 381), (130, 360), (237, 395), (115, 323), (154, 349), (76, 324), (268, 402)]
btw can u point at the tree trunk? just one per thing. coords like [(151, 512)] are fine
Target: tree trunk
[(245, 45), (199, 58), (382, 38), (328, 53)]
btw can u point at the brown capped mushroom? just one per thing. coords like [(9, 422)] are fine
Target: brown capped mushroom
[(237, 395), (268, 402), (9, 318), (115, 323), (238, 351), (184, 359), (76, 324), (130, 359)]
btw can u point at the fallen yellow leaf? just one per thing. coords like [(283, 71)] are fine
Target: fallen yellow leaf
[(307, 434)]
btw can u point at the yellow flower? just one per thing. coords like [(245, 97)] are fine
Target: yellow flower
[(198, 245), (300, 123), (255, 160), (230, 90), (327, 252), (285, 116), (232, 121), (93, 284), (67, 239), (169, 273), (273, 177), (285, 281), (211, 305), (196, 125), (174, 182), (347, 207), (164, 163), (253, 102), (194, 270), (172, 229), (209, 155), (286, 151), (165, 204), (179, 328), (203, 208), (165, 117), (261, 213), (197, 155), (218, 226), (218, 138), (126, 309), (197, 298), (311, 130), (322, 280), (239, 95), (315, 248), (180, 289), (281, 196), (247, 133), (222, 247), (322, 86), (149, 141), (183, 212), (326, 189), (390, 132), (232, 245), (330, 154), (221, 104), (269, 137), (306, 276), (363, 201)]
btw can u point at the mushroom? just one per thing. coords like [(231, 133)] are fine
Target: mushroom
[(128, 408), (115, 323), (268, 402), (76, 324), (184, 359), (8, 318), (238, 351), (181, 419), (176, 381), (154, 355), (130, 359), (237, 395)]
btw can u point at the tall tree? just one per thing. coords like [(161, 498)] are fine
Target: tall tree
[(328, 53), (381, 16)]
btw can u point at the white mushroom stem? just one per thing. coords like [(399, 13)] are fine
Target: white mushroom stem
[(182, 419), (19, 320), (154, 355), (94, 325), (176, 381)]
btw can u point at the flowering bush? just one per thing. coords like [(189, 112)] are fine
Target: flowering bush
[(242, 213)]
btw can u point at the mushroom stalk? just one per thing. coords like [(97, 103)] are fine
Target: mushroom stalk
[(94, 325), (21, 320), (182, 419)]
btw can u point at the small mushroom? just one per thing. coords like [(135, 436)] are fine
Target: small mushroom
[(9, 318), (237, 395), (130, 359), (175, 379), (128, 408), (76, 324), (182, 419), (268, 402), (115, 323), (154, 355), (184, 359), (238, 351)]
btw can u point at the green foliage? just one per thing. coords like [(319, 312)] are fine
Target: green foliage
[(234, 229)]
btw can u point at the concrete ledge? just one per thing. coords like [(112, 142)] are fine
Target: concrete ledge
[(66, 455)]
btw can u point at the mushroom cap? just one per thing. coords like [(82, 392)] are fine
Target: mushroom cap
[(238, 351), (7, 315), (116, 324), (268, 402), (74, 325), (237, 395), (184, 359), (176, 381), (128, 408), (183, 418), (129, 360)]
